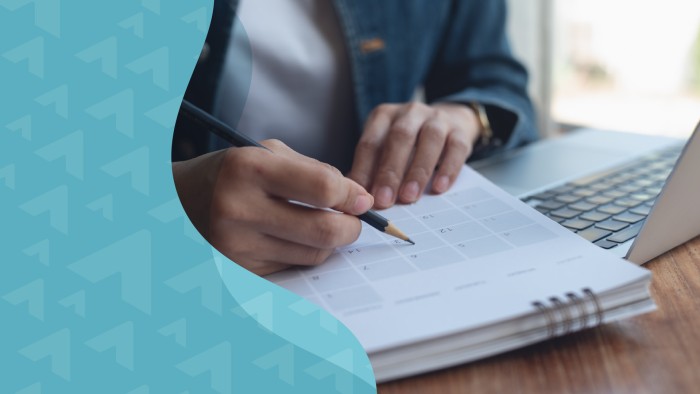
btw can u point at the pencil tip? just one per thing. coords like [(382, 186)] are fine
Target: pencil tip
[(392, 230)]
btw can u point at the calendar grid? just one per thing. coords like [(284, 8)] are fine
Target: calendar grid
[(459, 227)]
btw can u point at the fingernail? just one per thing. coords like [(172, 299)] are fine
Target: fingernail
[(441, 184), (410, 191), (385, 196), (362, 204)]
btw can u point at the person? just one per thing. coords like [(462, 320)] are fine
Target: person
[(336, 80)]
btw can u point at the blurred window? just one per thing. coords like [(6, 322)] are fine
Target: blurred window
[(630, 65)]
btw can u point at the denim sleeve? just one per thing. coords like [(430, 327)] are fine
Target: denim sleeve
[(475, 64)]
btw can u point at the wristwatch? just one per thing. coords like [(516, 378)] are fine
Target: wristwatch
[(486, 133)]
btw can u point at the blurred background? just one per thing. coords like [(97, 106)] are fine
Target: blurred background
[(626, 65)]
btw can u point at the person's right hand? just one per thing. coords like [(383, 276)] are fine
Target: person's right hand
[(239, 199)]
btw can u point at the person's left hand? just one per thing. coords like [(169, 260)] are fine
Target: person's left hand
[(402, 144)]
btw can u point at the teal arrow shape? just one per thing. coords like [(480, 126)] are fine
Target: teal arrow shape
[(204, 277), (33, 52), (55, 346), (135, 23), (106, 52), (166, 113), (70, 147), (339, 366), (137, 165), (23, 125), (75, 300), (158, 63), (178, 329), (283, 359), (58, 97), (55, 202), (47, 13), (32, 294), (119, 338), (200, 17), (130, 258), (7, 175), (151, 5), (31, 389), (260, 308), (121, 106), (40, 249), (216, 361), (105, 205)]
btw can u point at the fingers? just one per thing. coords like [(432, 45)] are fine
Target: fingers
[(397, 149), (253, 223), (429, 148), (271, 236), (267, 261), (369, 147), (457, 149), (263, 267), (263, 254), (403, 144), (291, 176), (308, 226)]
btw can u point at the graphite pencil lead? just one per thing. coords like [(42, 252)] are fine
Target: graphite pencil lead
[(394, 231)]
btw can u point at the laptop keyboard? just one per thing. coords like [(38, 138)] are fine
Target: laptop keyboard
[(609, 208)]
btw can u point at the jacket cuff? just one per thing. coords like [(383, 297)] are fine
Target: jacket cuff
[(511, 125)]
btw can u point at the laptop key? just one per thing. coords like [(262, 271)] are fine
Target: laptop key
[(543, 196), (542, 210), (550, 204), (562, 189), (641, 196), (641, 210), (629, 217), (612, 225), (599, 200), (556, 219), (565, 213), (582, 206), (577, 224), (600, 186), (593, 234), (627, 202), (629, 188), (643, 182), (622, 178), (626, 234), (612, 209), (584, 192), (654, 190), (614, 193), (605, 244), (595, 216), (567, 198)]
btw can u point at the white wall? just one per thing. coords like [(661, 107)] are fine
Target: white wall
[(529, 28)]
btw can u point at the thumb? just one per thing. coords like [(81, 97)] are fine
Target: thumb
[(356, 200)]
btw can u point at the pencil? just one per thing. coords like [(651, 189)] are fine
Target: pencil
[(226, 132)]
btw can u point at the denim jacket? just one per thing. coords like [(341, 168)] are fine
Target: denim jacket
[(456, 50)]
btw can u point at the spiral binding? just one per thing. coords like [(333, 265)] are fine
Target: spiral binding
[(573, 313)]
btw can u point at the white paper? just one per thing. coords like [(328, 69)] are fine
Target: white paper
[(481, 257)]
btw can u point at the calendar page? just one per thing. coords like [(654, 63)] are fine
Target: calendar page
[(480, 256)]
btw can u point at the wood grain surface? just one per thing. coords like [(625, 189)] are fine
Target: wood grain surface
[(658, 352)]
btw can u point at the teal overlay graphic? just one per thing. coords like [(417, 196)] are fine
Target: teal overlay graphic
[(106, 286)]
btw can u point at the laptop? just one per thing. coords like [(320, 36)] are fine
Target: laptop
[(635, 195)]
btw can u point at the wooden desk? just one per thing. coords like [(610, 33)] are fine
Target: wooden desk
[(654, 353)]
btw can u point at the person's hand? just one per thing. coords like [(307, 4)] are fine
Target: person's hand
[(402, 144), (239, 199)]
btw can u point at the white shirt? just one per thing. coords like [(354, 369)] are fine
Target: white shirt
[(301, 88)]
